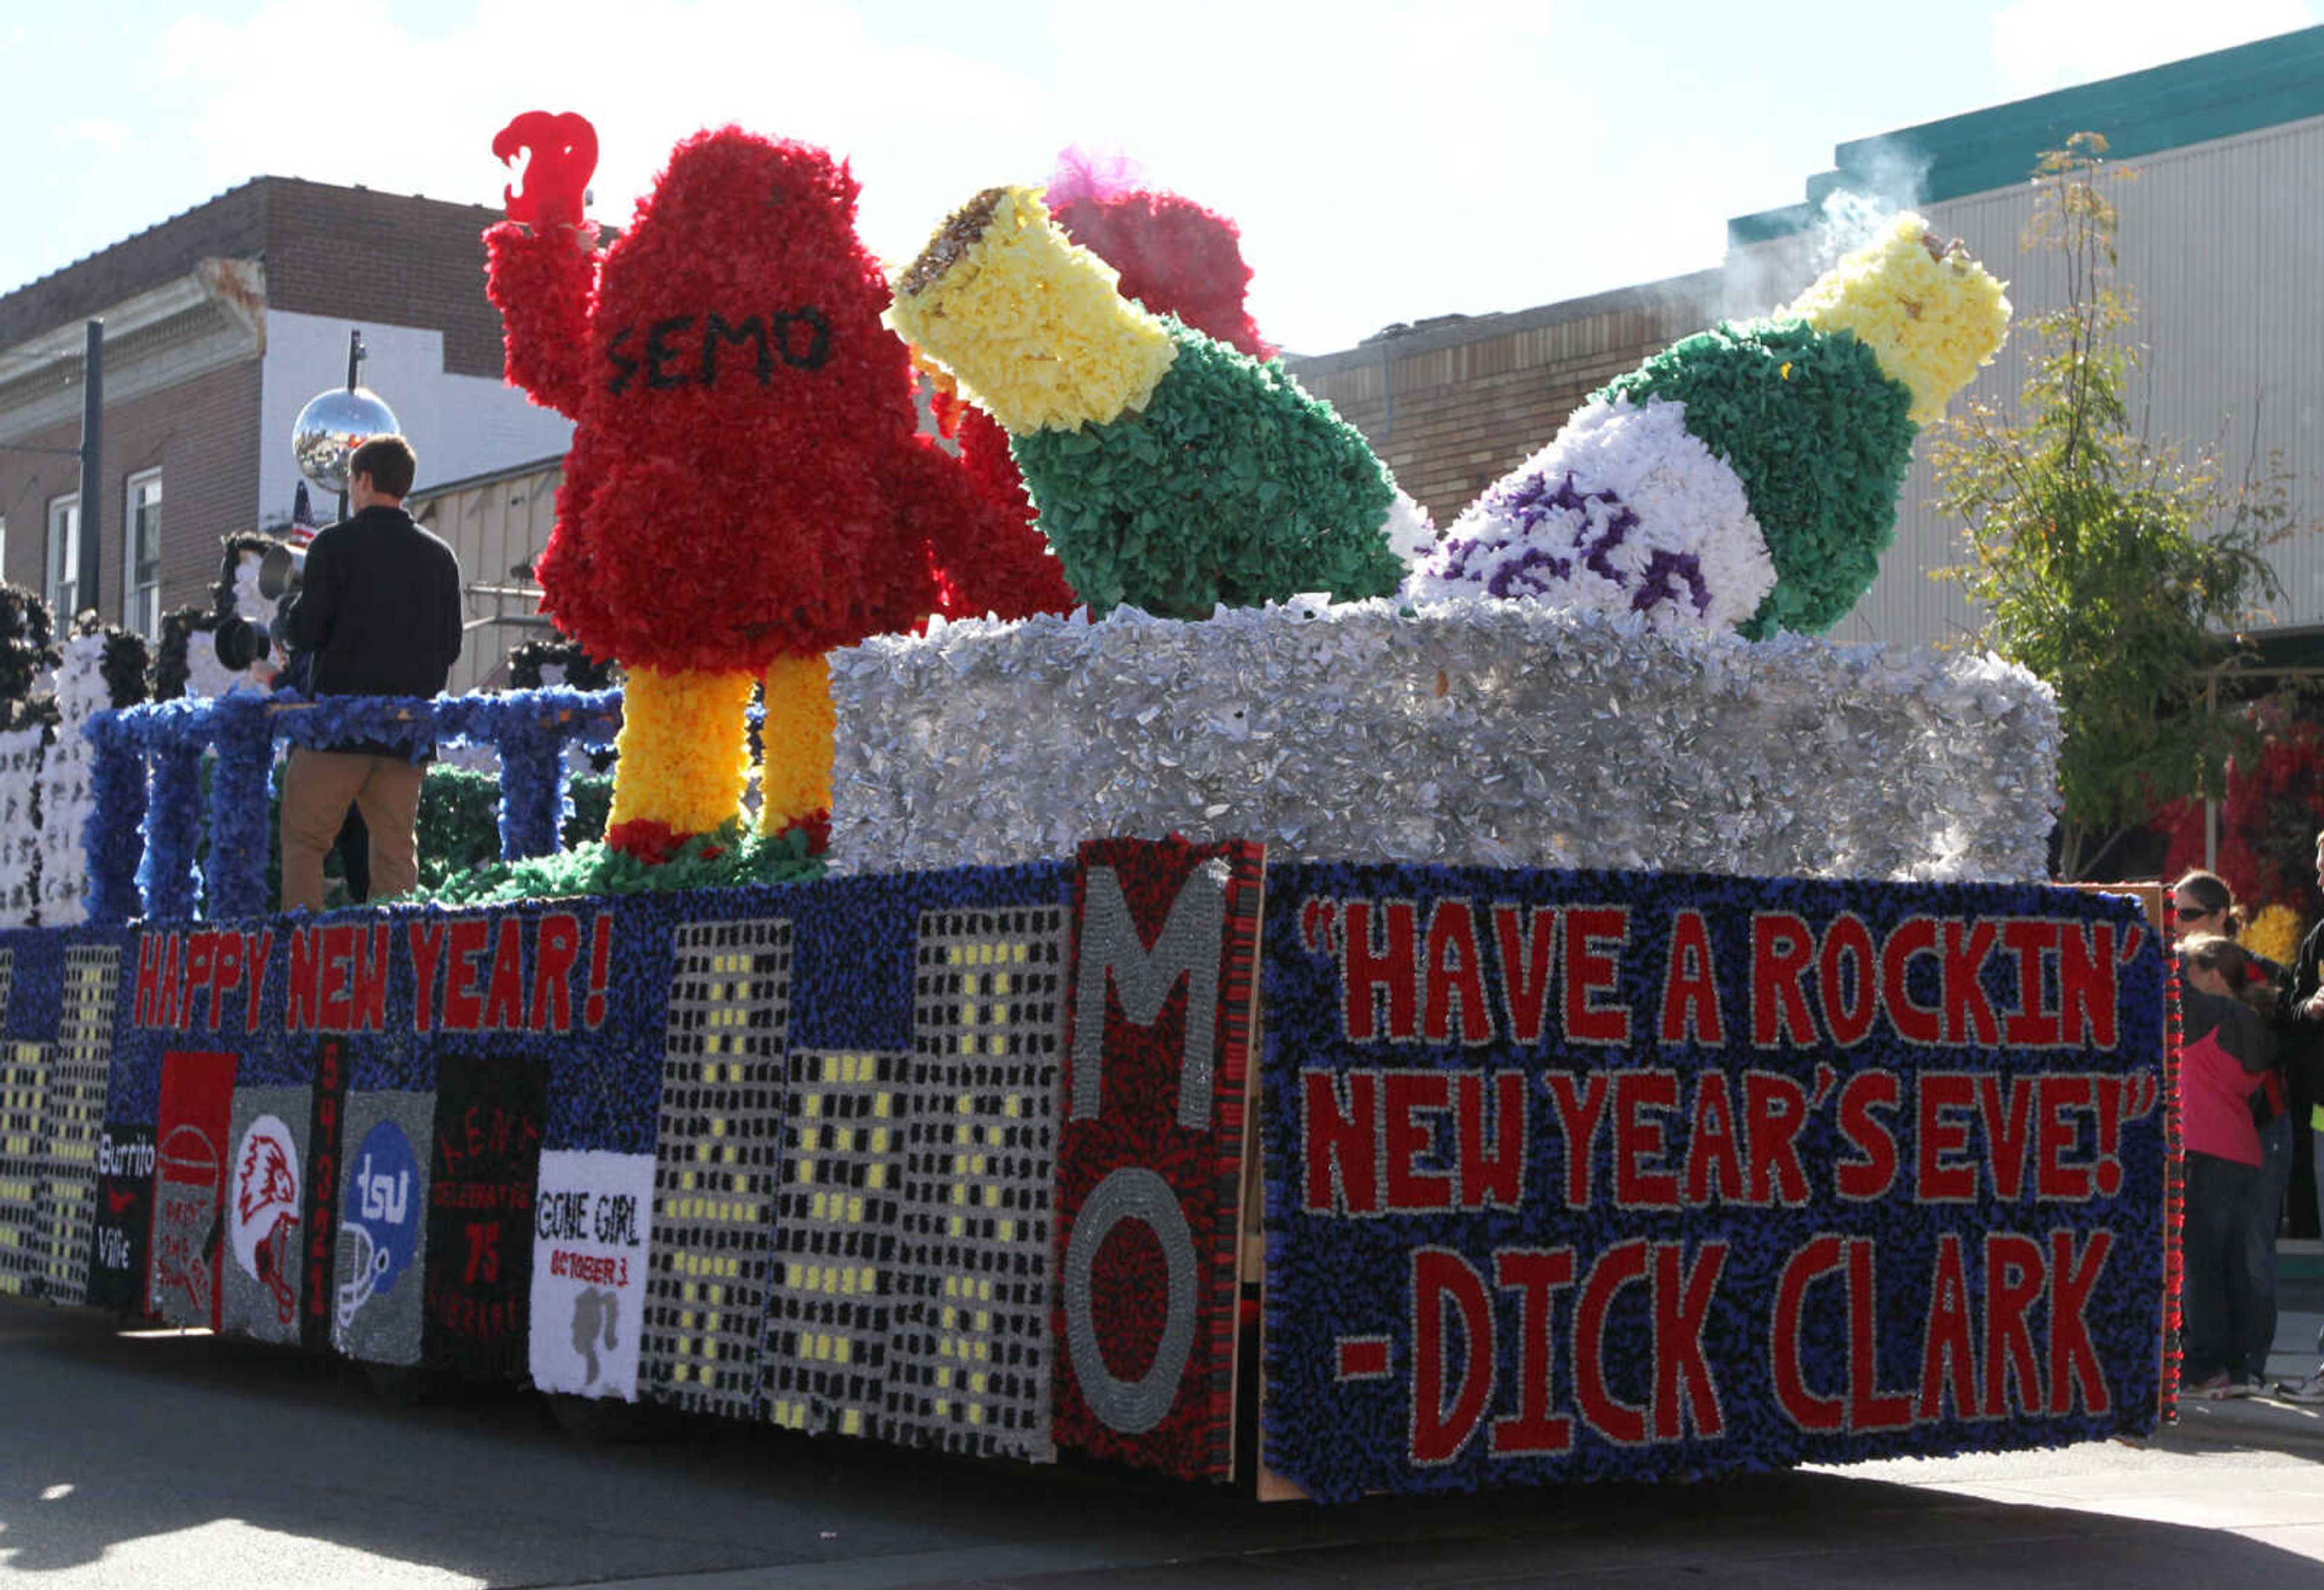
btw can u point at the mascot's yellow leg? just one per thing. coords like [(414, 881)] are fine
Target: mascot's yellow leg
[(686, 754), (795, 773)]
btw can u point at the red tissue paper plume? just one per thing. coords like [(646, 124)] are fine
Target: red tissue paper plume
[(1176, 258)]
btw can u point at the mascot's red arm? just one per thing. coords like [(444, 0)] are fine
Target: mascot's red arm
[(542, 262), (987, 555)]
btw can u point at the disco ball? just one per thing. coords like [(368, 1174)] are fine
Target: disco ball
[(331, 426)]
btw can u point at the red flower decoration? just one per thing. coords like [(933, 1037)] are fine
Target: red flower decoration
[(2268, 824)]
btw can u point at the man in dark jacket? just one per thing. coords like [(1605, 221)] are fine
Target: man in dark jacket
[(379, 607), (2301, 1024)]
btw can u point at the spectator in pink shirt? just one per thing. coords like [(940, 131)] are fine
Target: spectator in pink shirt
[(2225, 1049)]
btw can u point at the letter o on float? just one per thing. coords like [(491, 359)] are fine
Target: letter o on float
[(1130, 1193)]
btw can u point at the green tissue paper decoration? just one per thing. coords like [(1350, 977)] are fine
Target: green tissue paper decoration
[(733, 856), (1821, 439), (1233, 486)]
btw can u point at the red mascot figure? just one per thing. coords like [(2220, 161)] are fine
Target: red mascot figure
[(747, 488)]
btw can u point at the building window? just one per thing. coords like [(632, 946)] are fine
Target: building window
[(62, 586), (141, 584)]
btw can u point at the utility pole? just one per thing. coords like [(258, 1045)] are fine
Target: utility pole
[(354, 371), (92, 462)]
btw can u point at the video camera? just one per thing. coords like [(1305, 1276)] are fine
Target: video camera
[(241, 643)]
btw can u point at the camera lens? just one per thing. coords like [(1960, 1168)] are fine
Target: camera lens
[(239, 643)]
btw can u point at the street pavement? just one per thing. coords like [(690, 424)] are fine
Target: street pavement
[(171, 1459)]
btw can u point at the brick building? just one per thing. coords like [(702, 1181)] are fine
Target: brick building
[(219, 325), (1453, 405)]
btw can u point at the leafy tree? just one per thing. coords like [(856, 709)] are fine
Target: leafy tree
[(2111, 566)]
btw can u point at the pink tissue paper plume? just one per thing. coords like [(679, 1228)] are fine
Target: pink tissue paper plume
[(1099, 174)]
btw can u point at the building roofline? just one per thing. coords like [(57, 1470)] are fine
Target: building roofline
[(470, 482), (72, 265), (1699, 286), (56, 298), (2205, 98)]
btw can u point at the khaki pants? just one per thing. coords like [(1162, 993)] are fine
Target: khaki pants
[(318, 787)]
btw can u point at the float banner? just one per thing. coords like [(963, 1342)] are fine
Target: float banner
[(380, 1258), (1150, 1162), (118, 1254), (321, 1228), (190, 1177), (589, 1271), (265, 1211), (1607, 1176), (484, 1171)]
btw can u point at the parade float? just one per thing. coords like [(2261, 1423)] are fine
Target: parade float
[(1502, 1007)]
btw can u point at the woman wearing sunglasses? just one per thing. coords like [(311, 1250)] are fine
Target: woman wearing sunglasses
[(2202, 904), (2225, 1046)]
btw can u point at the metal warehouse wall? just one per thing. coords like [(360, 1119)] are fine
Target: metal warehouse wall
[(2222, 247), (497, 523)]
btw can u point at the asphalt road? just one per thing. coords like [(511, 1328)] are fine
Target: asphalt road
[(185, 1460)]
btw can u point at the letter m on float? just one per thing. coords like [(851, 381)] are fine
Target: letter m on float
[(1149, 1158)]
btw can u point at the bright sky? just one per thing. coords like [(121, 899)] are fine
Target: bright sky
[(1386, 161)]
